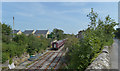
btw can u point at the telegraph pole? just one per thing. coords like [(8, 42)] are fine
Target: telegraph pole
[(13, 26)]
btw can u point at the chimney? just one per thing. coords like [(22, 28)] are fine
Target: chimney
[(13, 26)]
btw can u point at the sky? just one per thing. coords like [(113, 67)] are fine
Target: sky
[(60, 0), (71, 17)]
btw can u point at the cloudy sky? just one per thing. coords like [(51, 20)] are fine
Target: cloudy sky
[(68, 16)]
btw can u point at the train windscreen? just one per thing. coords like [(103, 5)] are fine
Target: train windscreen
[(59, 41), (54, 45)]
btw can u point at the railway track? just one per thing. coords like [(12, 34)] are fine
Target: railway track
[(41, 63), (48, 61), (57, 61), (54, 62), (38, 60)]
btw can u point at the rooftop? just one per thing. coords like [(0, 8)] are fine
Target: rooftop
[(41, 31), (15, 31), (28, 31)]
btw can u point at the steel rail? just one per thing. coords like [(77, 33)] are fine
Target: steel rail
[(52, 61), (40, 60), (46, 59), (57, 61)]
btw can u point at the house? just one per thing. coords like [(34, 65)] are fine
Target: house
[(43, 33), (18, 32), (28, 32)]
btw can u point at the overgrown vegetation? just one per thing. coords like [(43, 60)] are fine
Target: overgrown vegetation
[(98, 34), (16, 46), (57, 34)]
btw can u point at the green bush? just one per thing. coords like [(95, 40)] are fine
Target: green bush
[(5, 57), (21, 39), (98, 34), (10, 61)]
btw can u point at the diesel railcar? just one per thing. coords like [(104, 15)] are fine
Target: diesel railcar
[(56, 45)]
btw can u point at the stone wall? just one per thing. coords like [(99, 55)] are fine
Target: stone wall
[(102, 61)]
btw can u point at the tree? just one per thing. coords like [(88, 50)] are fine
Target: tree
[(98, 34), (92, 16), (57, 34), (6, 32), (20, 39), (21, 44), (6, 29)]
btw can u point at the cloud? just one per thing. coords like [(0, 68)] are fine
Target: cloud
[(67, 11), (73, 4), (80, 11), (24, 14), (36, 8), (29, 9), (67, 19)]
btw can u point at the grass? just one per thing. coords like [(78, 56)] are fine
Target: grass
[(3, 68)]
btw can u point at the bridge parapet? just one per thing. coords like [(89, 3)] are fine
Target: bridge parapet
[(102, 61)]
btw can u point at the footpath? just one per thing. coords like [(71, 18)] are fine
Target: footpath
[(114, 55)]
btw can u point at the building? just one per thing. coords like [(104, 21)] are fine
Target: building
[(43, 33), (18, 32), (28, 32)]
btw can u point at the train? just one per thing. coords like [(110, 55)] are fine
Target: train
[(57, 44)]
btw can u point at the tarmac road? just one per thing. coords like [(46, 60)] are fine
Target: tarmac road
[(119, 54), (114, 55)]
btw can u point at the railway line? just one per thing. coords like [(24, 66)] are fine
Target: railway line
[(29, 67), (51, 59), (40, 64), (48, 61), (49, 65), (53, 64), (57, 61)]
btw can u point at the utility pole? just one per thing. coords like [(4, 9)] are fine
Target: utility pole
[(13, 26)]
